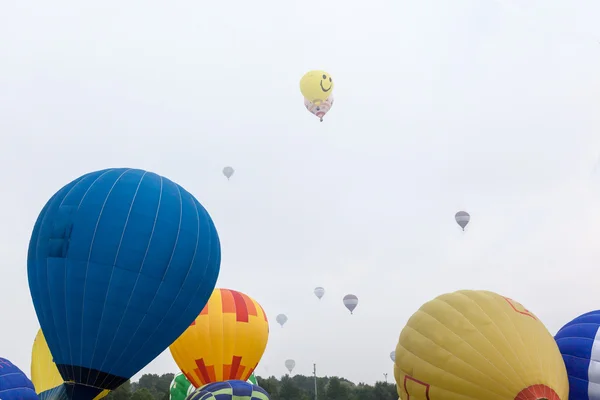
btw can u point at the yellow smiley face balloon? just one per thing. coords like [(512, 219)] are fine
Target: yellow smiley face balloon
[(316, 86)]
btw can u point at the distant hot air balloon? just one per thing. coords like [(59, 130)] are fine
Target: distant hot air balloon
[(290, 364), (316, 86), (49, 385), (14, 384), (226, 341), (281, 319), (475, 344), (350, 301), (319, 292), (578, 342), (180, 387), (120, 262), (321, 109), (229, 390), (393, 356), (462, 218), (228, 172)]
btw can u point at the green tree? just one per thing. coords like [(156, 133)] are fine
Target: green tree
[(336, 390), (123, 392), (142, 394)]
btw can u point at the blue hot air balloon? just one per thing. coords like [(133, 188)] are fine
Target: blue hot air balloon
[(579, 344), (229, 390), (120, 263), (14, 384)]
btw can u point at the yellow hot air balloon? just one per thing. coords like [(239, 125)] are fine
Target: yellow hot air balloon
[(44, 374), (478, 345), (316, 86), (225, 342)]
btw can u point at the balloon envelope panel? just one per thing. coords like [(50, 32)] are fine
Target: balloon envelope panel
[(579, 344), (226, 341), (478, 345), (14, 384), (120, 262), (229, 390)]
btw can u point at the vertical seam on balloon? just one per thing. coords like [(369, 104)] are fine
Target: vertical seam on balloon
[(110, 281), (89, 256), (142, 346), (201, 282), (158, 205), (85, 279)]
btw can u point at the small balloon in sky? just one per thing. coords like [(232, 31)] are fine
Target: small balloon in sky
[(319, 292), (350, 301), (281, 319), (316, 86), (228, 172), (462, 219), (290, 364)]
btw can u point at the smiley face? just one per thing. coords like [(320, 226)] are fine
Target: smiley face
[(328, 84), (316, 86)]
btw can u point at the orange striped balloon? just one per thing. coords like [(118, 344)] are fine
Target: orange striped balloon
[(225, 342)]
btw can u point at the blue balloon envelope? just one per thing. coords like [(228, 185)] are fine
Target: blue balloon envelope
[(229, 390), (120, 263), (14, 384), (579, 344)]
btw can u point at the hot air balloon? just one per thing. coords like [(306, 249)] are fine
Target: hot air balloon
[(393, 356), (316, 86), (14, 384), (462, 218), (228, 172), (120, 262), (350, 301), (44, 374), (319, 292), (321, 109), (475, 344), (578, 344), (229, 390), (290, 364), (281, 319), (180, 387), (226, 341)]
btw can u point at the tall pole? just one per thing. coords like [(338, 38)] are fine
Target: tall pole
[(315, 375), (385, 375)]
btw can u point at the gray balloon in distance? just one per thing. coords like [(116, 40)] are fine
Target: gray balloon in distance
[(393, 356), (290, 364), (462, 219), (319, 292), (228, 172), (281, 319), (350, 301)]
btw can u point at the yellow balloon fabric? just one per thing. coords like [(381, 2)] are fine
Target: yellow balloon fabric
[(44, 374), (316, 86), (478, 345), (225, 342)]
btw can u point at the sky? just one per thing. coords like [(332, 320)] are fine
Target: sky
[(487, 106)]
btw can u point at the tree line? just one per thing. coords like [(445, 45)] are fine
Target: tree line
[(298, 387)]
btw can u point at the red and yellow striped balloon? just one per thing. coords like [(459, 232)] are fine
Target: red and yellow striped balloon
[(225, 342)]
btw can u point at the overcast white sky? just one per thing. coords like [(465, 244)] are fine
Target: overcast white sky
[(489, 106)]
